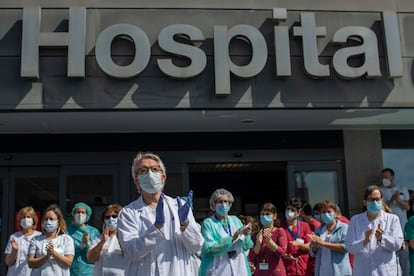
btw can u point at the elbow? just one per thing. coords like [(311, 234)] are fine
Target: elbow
[(8, 263), (91, 259), (31, 264)]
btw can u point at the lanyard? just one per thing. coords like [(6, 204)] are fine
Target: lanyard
[(226, 229), (294, 236)]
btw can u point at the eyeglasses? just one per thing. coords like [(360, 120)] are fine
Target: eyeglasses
[(111, 216), (144, 170)]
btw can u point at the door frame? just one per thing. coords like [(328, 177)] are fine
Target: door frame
[(335, 165), (69, 170), (4, 175)]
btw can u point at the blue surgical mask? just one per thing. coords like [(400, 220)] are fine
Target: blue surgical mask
[(50, 225), (111, 223), (317, 217), (266, 220), (328, 218), (151, 182), (374, 206), (222, 209)]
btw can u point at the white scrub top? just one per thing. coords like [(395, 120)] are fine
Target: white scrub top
[(63, 245), (20, 267), (112, 260)]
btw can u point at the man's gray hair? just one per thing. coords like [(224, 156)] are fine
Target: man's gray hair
[(218, 194), (145, 155)]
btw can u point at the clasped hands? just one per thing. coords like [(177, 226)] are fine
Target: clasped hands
[(183, 210), (264, 234), (85, 240), (50, 250), (370, 232)]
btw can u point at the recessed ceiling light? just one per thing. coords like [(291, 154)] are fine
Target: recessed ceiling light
[(247, 121)]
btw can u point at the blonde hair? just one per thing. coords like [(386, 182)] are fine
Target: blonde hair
[(28, 210)]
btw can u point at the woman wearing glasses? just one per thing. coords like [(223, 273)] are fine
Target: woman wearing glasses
[(105, 250)]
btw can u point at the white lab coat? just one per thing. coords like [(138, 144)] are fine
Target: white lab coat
[(376, 258), (152, 252)]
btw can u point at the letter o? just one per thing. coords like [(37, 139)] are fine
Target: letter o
[(103, 51)]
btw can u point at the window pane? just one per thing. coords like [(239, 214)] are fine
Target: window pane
[(38, 192), (94, 190), (402, 162), (316, 186)]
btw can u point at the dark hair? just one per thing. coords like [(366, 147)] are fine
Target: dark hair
[(317, 207), (370, 189), (307, 209), (295, 203), (327, 204), (112, 207), (269, 207), (391, 171)]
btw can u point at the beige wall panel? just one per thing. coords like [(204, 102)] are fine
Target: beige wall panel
[(407, 37), (405, 5)]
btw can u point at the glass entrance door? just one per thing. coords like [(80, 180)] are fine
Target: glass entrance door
[(24, 186), (96, 186), (315, 182)]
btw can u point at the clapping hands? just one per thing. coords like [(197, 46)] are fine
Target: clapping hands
[(159, 213), (183, 210)]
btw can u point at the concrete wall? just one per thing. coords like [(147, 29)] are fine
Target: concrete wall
[(363, 164)]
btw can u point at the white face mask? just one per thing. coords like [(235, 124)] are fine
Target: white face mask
[(26, 223), (80, 218), (386, 182), (289, 214), (151, 182)]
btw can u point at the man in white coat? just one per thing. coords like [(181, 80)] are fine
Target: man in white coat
[(157, 233)]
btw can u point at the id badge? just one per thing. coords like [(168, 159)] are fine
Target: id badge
[(301, 241), (263, 266)]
